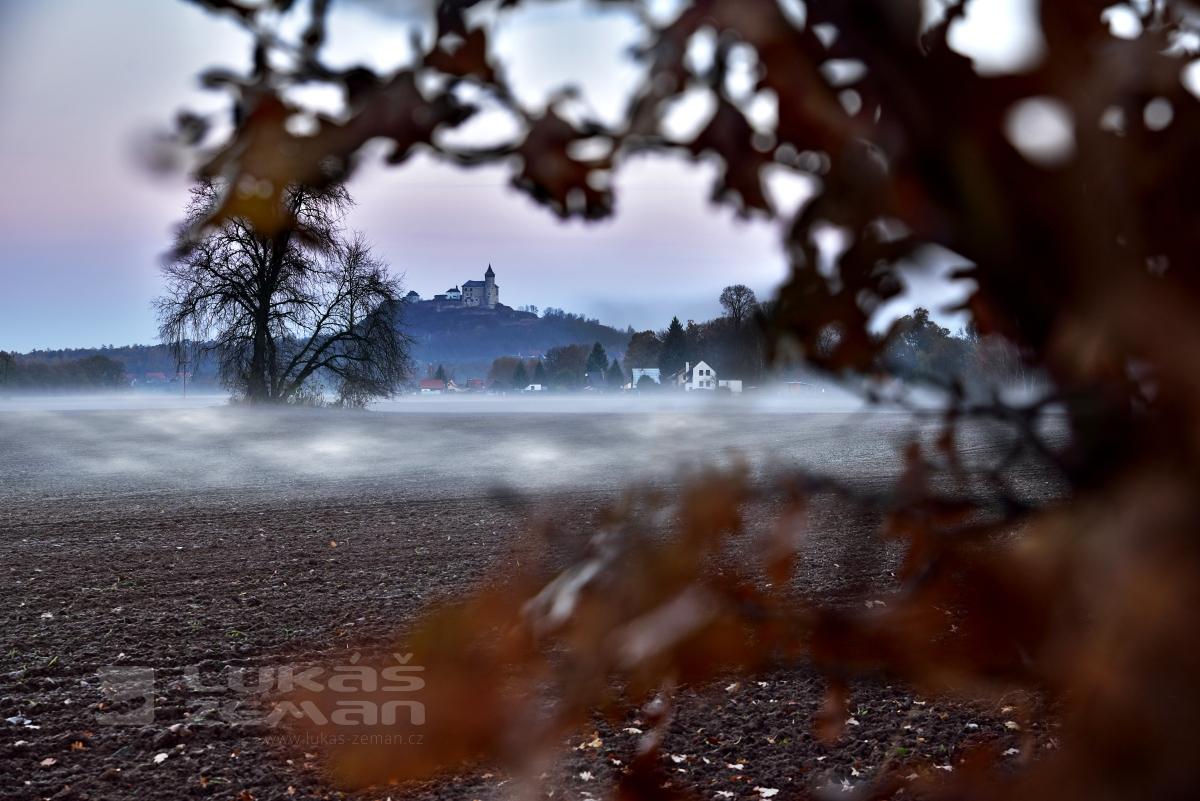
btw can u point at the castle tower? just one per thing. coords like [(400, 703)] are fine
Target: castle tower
[(491, 292), (484, 294)]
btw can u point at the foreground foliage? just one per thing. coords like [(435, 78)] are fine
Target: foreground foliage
[(1082, 257)]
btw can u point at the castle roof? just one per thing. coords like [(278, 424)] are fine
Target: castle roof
[(473, 283), (489, 272)]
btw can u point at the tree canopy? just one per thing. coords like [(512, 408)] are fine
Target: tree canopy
[(739, 303), (643, 350), (304, 308)]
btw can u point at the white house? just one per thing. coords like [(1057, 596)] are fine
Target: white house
[(534, 388), (699, 377), (703, 378)]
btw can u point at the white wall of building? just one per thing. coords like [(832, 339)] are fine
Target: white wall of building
[(703, 377)]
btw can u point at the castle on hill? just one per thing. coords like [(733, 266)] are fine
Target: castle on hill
[(483, 294)]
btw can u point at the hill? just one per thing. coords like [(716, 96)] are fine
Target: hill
[(469, 338)]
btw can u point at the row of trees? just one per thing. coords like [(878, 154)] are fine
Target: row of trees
[(734, 343), (90, 372), (137, 360), (920, 350), (563, 367)]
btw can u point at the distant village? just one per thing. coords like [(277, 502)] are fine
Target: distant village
[(700, 377), (567, 367)]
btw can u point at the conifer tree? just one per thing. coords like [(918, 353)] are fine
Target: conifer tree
[(520, 378), (674, 349)]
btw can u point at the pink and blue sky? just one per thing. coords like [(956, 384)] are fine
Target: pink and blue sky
[(83, 223)]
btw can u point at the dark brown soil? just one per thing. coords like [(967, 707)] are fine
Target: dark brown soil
[(221, 579)]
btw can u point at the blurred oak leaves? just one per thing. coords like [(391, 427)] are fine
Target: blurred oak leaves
[(1084, 263)]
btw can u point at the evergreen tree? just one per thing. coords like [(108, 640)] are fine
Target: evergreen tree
[(674, 349), (616, 376), (440, 375), (520, 378), (597, 365), (539, 373)]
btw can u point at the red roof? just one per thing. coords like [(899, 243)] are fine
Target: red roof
[(432, 383)]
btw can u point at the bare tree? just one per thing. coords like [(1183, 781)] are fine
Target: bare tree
[(302, 309), (739, 303)]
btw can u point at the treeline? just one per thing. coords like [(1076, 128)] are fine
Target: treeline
[(89, 372), (734, 344), (564, 367), (921, 351), (137, 360)]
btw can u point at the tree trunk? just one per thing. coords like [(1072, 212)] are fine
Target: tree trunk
[(257, 389)]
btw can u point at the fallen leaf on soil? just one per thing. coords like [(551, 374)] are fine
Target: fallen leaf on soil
[(48, 761), (160, 758)]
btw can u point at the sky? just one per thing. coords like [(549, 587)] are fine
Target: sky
[(84, 223)]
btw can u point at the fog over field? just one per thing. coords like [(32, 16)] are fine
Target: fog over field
[(146, 531), (63, 448)]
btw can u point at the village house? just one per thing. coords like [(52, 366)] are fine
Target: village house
[(703, 378)]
